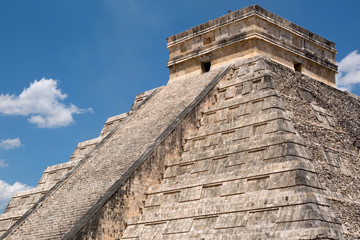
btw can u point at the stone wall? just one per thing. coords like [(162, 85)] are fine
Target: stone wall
[(329, 122)]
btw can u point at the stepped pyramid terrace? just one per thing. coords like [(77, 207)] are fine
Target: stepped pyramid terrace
[(250, 139)]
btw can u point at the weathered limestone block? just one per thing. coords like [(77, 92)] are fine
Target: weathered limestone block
[(306, 212), (231, 220), (201, 166), (153, 200), (235, 159), (84, 148), (112, 122), (190, 194), (178, 226), (141, 97), (133, 231), (242, 133), (294, 178)]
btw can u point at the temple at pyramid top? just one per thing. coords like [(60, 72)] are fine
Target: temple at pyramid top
[(246, 33)]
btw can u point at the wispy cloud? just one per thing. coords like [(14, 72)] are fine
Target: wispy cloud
[(3, 163), (10, 143), (7, 191), (41, 102), (349, 71)]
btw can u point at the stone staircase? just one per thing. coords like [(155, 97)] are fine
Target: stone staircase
[(24, 200)]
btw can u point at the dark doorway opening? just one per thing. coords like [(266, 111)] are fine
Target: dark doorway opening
[(297, 67), (205, 66)]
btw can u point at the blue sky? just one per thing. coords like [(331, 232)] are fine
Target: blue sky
[(87, 60)]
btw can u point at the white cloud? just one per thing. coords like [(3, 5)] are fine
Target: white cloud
[(3, 163), (41, 102), (349, 71), (7, 191), (8, 144)]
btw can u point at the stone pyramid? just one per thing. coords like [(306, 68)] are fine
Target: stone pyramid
[(248, 140)]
